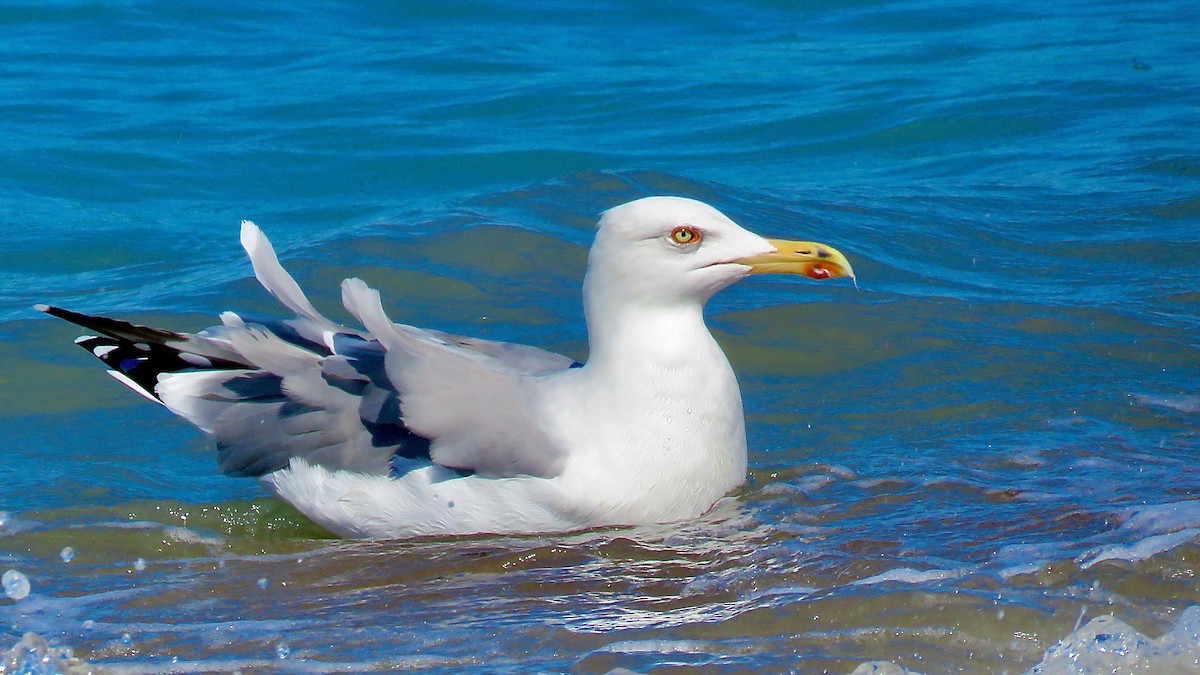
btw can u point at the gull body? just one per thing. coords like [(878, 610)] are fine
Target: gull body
[(394, 431)]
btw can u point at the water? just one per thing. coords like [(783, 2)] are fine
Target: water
[(16, 585), (990, 445)]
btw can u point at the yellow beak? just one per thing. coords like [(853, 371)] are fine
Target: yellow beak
[(813, 260)]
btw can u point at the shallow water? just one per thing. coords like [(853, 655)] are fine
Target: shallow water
[(989, 443)]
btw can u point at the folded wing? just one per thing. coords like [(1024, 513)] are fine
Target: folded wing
[(345, 399), (478, 409)]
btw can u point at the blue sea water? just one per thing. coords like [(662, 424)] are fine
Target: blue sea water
[(991, 441)]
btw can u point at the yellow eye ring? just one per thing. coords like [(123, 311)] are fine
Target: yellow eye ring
[(685, 235)]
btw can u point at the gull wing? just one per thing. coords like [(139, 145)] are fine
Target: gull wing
[(306, 387), (473, 401)]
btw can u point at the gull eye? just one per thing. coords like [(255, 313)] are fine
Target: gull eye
[(685, 235)]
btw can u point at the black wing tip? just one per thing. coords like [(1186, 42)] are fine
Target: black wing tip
[(115, 328), (64, 314)]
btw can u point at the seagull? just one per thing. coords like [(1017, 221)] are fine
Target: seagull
[(392, 431)]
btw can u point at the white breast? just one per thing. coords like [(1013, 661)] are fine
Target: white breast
[(658, 439)]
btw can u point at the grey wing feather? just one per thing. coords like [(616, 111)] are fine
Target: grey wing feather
[(474, 407), (288, 406), (275, 279), (517, 357), (338, 397), (295, 397)]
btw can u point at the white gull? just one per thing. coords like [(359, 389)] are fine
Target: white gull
[(396, 431)]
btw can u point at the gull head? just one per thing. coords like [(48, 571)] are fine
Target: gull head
[(672, 250)]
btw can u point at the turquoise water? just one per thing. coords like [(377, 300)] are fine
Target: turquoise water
[(992, 441)]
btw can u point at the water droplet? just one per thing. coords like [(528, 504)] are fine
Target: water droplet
[(67, 554), (16, 585), (139, 565), (262, 583), (126, 639), (283, 651), (89, 624)]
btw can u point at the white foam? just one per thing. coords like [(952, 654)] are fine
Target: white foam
[(656, 647), (33, 655), (1108, 645), (16, 585), (909, 575), (881, 668), (189, 536), (1027, 558), (1146, 548), (1163, 518), (1148, 531), (1105, 645), (1181, 402), (810, 484)]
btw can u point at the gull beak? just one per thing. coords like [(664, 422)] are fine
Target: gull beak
[(808, 258)]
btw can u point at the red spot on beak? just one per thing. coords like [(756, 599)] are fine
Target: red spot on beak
[(818, 272)]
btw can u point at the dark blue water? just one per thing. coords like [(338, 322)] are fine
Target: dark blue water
[(996, 435)]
